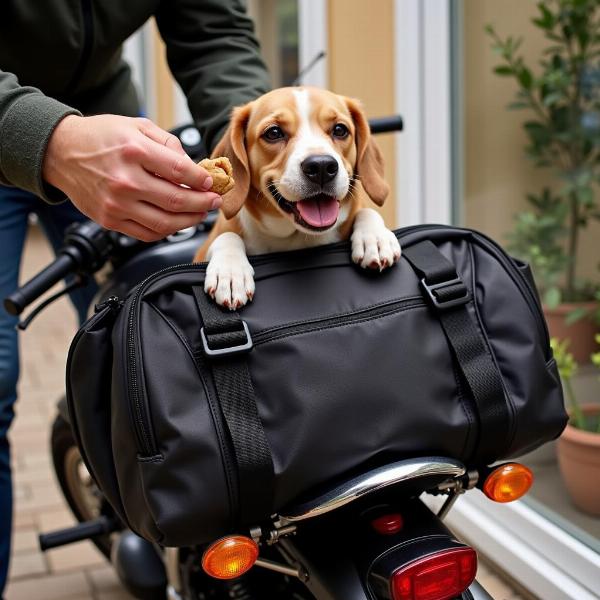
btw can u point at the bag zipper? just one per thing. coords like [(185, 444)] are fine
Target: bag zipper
[(142, 424), (364, 314)]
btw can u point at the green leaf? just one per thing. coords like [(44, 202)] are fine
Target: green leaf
[(585, 196), (547, 19), (503, 71), (576, 315), (552, 297), (525, 78), (553, 98)]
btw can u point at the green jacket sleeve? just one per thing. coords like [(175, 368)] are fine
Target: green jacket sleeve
[(215, 57), (27, 119)]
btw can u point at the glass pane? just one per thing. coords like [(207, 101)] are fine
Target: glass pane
[(514, 149)]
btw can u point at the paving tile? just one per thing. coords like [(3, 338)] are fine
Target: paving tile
[(24, 539), (24, 520), (43, 495), (56, 518), (115, 595), (74, 556), (29, 475), (26, 564), (66, 586), (36, 459), (21, 492), (104, 579)]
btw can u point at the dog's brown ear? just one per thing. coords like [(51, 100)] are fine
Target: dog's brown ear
[(233, 146), (369, 160)]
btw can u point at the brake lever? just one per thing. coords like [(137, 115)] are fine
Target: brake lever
[(78, 281)]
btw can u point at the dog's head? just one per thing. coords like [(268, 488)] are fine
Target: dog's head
[(302, 150)]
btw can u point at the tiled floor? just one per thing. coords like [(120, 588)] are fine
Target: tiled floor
[(78, 571)]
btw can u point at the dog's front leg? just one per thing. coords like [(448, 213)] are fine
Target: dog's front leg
[(374, 246), (229, 274)]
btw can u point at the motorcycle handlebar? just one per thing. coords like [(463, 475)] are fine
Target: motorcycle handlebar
[(65, 264), (85, 250), (386, 124)]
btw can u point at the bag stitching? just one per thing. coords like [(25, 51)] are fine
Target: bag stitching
[(339, 325), (483, 331), (230, 475), (341, 315)]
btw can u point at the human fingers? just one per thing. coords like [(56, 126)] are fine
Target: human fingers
[(137, 231), (174, 167), (159, 135), (176, 198), (160, 221)]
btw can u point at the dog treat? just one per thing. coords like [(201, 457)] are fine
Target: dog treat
[(221, 172)]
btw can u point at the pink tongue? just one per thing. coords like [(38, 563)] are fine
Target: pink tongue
[(319, 212)]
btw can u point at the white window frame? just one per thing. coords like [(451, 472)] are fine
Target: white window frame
[(422, 91), (138, 52), (312, 39)]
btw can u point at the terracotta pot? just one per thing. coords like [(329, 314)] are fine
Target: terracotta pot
[(579, 462), (581, 333)]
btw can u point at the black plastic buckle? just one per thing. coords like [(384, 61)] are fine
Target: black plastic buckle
[(238, 349), (431, 289)]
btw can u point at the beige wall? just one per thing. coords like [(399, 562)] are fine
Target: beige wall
[(163, 83), (360, 57), (497, 173)]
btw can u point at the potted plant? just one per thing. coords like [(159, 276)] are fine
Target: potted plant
[(579, 445), (563, 99)]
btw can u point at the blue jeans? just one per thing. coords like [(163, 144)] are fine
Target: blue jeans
[(15, 207)]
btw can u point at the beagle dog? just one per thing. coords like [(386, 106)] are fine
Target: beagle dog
[(304, 164)]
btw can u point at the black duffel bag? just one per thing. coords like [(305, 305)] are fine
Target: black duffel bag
[(196, 421)]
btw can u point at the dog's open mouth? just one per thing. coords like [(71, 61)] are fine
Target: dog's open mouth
[(319, 212)]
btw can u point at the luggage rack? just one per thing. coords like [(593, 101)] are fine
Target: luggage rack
[(415, 474)]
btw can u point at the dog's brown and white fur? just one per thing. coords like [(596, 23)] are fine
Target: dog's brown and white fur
[(303, 159)]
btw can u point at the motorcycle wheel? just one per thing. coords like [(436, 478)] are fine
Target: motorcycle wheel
[(78, 487)]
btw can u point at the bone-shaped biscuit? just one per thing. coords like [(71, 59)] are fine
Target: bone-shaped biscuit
[(221, 171)]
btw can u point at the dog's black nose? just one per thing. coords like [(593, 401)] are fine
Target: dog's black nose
[(320, 168)]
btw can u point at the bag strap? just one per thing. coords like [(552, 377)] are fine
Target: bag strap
[(226, 340), (449, 296)]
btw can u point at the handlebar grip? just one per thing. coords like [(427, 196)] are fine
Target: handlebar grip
[(65, 264), (386, 124), (81, 531)]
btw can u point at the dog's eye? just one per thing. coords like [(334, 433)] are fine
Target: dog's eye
[(273, 134), (340, 131)]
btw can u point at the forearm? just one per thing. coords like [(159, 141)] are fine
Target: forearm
[(215, 57), (27, 120)]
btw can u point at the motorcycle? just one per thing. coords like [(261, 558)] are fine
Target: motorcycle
[(370, 538)]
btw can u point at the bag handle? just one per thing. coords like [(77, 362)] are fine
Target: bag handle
[(449, 297), (226, 340)]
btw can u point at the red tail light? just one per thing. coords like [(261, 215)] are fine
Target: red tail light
[(440, 576)]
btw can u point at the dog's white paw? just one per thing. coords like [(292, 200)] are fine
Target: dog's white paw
[(229, 275), (374, 246)]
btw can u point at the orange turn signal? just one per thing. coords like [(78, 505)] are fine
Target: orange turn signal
[(230, 557), (508, 482)]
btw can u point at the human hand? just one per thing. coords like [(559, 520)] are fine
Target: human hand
[(127, 175)]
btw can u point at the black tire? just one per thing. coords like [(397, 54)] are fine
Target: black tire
[(78, 488)]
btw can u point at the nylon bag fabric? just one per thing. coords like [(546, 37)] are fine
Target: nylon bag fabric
[(348, 370)]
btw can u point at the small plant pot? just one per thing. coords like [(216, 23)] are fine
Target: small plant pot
[(581, 333), (579, 462)]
